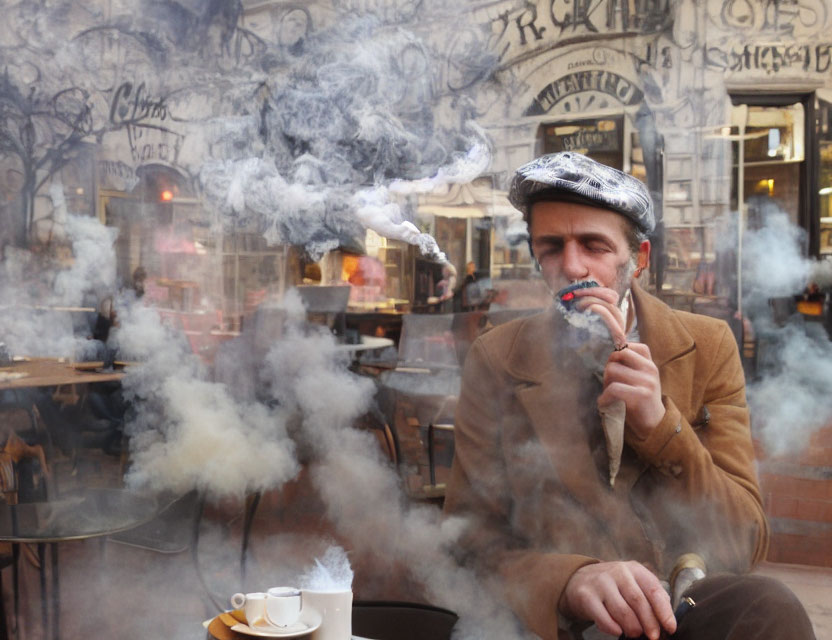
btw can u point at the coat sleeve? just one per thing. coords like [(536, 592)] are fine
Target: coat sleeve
[(709, 468), (533, 581)]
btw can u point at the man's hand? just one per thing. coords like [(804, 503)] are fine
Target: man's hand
[(604, 302), (632, 376), (619, 597)]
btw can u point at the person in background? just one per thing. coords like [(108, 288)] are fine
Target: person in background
[(603, 447)]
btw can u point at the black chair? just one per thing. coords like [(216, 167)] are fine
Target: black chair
[(27, 449), (383, 620)]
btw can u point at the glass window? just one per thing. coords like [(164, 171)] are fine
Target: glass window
[(767, 156), (601, 139), (825, 178)]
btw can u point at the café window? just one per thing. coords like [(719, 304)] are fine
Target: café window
[(824, 139), (769, 157), (601, 139)]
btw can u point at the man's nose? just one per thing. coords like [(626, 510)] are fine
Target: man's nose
[(573, 265)]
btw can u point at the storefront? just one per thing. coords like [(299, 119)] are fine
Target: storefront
[(712, 104)]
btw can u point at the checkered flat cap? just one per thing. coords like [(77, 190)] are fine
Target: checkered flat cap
[(576, 178)]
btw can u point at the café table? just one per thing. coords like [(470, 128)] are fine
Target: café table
[(56, 372), (77, 515), (368, 343)]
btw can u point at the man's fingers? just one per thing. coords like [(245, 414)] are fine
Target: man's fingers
[(622, 612), (658, 598), (642, 608), (611, 317), (607, 295), (598, 613)]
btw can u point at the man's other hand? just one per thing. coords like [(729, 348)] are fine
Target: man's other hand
[(632, 376), (619, 597)]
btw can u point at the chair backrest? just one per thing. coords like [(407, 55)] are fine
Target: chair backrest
[(385, 620), (324, 298)]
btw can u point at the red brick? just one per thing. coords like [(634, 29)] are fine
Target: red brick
[(822, 437), (797, 487), (814, 510), (817, 456), (780, 506)]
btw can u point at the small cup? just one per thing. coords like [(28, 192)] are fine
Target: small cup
[(253, 605), (283, 606)]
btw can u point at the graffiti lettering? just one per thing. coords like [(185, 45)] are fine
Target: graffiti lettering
[(154, 144), (773, 17), (114, 174), (129, 107), (572, 13), (541, 24), (770, 59), (604, 81), (115, 169), (521, 27), (590, 141)]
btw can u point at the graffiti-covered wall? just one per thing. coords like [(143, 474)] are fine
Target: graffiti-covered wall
[(570, 59)]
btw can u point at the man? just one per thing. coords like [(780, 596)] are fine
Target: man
[(573, 541)]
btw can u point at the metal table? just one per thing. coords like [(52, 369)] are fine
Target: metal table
[(91, 513)]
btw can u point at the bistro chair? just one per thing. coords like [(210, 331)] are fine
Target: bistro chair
[(385, 620), (23, 478)]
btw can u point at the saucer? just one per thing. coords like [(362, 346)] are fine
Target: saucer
[(310, 620)]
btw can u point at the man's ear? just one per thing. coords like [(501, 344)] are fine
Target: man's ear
[(643, 257)]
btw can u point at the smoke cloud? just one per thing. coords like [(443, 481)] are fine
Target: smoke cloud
[(789, 396), (308, 143)]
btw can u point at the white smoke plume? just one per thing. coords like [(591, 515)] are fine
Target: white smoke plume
[(789, 396), (189, 432), (33, 284), (363, 494)]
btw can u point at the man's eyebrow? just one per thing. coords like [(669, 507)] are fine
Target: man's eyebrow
[(583, 237)]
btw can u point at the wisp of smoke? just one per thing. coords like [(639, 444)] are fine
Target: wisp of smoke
[(189, 432), (31, 283), (363, 494), (789, 399)]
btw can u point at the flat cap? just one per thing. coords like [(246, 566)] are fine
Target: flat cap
[(576, 178)]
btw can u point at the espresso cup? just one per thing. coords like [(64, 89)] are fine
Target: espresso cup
[(283, 606), (253, 605)]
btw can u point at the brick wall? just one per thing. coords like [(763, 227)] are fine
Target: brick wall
[(797, 494)]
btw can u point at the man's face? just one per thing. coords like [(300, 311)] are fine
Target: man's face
[(575, 242)]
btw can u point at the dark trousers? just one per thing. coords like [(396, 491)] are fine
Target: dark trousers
[(732, 607)]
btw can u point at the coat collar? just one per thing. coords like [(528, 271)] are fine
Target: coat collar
[(530, 360)]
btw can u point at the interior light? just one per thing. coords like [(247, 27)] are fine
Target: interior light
[(79, 191), (773, 142), (825, 191), (771, 186), (167, 195)]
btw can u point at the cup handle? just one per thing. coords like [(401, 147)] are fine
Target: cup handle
[(238, 600)]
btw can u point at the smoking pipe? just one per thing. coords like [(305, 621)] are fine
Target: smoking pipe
[(567, 294)]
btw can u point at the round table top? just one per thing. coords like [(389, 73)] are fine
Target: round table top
[(78, 515), (368, 343)]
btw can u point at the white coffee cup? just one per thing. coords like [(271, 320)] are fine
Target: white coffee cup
[(283, 606), (335, 608), (253, 605)]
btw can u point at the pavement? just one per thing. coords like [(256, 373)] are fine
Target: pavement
[(112, 589), (812, 585)]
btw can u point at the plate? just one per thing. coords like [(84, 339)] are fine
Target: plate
[(310, 620)]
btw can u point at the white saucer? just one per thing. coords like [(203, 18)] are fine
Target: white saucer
[(310, 620)]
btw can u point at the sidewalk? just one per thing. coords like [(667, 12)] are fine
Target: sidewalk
[(813, 585)]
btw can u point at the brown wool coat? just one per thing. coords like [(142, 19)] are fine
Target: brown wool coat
[(536, 489)]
